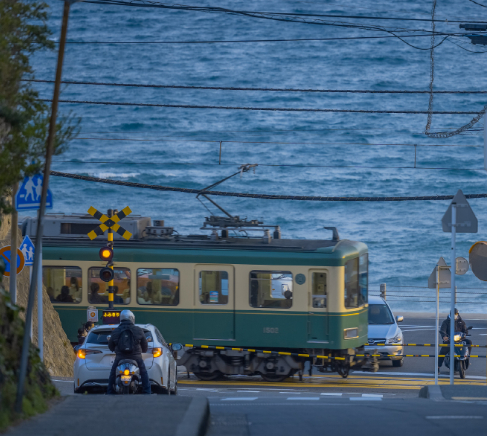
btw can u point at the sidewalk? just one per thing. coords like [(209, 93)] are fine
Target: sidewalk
[(148, 415)]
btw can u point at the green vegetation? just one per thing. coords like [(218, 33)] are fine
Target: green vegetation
[(24, 120), (38, 386)]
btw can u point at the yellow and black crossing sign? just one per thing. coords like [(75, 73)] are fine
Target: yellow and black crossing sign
[(109, 223)]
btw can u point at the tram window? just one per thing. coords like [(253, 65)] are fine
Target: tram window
[(363, 278), (318, 285), (213, 287), (352, 291), (63, 283), (271, 289), (98, 289), (158, 286)]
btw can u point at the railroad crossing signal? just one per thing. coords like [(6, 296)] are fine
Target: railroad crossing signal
[(109, 223)]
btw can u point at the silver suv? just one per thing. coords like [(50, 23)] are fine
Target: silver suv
[(383, 329)]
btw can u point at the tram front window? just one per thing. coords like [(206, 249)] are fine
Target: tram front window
[(352, 288)]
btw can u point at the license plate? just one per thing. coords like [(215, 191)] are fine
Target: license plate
[(126, 378)]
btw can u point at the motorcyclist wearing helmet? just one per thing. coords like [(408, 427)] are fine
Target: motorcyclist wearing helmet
[(460, 326), (127, 322)]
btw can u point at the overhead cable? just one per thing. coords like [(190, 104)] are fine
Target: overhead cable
[(226, 141), (147, 3), (237, 41), (272, 109), (257, 196), (236, 88), (278, 16), (473, 121), (365, 167)]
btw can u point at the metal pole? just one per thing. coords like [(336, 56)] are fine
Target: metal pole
[(40, 309), (437, 320), (13, 247), (452, 298), (42, 209), (110, 283)]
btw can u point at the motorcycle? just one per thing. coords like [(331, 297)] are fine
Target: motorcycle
[(462, 354), (127, 377)]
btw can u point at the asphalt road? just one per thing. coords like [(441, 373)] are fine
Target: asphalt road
[(370, 403)]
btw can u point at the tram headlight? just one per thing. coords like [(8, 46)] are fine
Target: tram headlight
[(350, 333)]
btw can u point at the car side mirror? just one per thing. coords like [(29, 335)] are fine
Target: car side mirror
[(399, 318), (470, 328), (176, 347)]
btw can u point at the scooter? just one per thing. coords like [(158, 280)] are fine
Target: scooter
[(462, 362), (128, 378)]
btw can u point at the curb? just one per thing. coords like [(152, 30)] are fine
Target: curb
[(431, 392), (195, 420)]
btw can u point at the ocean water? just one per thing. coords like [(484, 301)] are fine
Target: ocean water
[(358, 153)]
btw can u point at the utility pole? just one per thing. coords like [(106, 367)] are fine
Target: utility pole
[(42, 209)]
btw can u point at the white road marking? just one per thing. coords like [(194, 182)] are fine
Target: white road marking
[(304, 398), (337, 395), (297, 393), (207, 389), (248, 391), (365, 399), (372, 395), (239, 399), (454, 417)]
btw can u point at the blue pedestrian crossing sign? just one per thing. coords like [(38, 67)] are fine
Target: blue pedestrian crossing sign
[(29, 194), (27, 248)]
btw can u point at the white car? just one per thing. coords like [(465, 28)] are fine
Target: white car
[(383, 329), (94, 361)]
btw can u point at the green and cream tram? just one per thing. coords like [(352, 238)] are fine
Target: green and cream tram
[(294, 295)]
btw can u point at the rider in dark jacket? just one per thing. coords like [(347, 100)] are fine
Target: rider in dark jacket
[(127, 319), (460, 327)]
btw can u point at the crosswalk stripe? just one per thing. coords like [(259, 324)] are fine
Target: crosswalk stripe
[(239, 399), (304, 398)]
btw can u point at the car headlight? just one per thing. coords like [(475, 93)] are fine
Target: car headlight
[(457, 338), (395, 340)]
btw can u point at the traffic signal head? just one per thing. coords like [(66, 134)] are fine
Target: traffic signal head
[(106, 274), (106, 254)]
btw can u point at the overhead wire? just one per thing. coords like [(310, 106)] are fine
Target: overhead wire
[(147, 3), (444, 134), (258, 196), (277, 16), (268, 165), (236, 88), (272, 109), (260, 40), (226, 141)]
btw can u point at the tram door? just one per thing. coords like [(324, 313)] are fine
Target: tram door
[(318, 311), (214, 314)]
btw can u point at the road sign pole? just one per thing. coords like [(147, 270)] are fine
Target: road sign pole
[(40, 310), (452, 297), (437, 320), (42, 209), (14, 244)]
